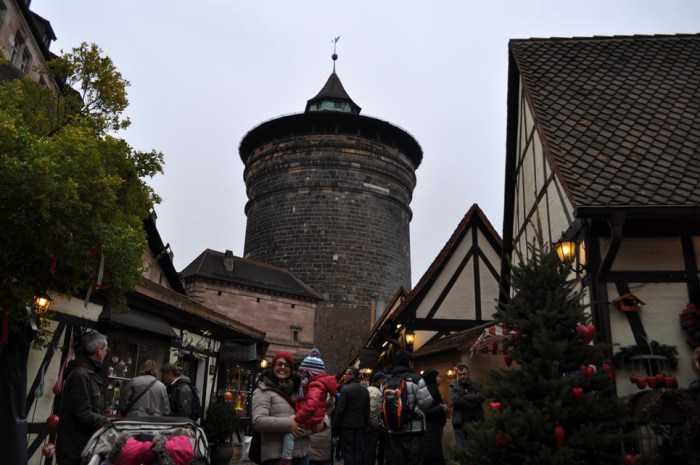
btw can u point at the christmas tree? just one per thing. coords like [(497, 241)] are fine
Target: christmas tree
[(556, 404)]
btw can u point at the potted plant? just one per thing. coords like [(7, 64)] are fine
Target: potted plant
[(220, 423)]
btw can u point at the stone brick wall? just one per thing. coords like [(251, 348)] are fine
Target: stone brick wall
[(333, 209), (276, 315)]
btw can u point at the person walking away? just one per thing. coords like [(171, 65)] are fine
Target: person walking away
[(82, 402), (351, 418), (435, 420), (375, 428), (316, 387), (467, 403), (274, 409), (405, 445), (145, 395), (180, 395)]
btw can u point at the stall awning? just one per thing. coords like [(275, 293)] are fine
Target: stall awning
[(490, 338), (137, 319)]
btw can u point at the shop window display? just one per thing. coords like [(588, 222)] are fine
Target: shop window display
[(122, 364)]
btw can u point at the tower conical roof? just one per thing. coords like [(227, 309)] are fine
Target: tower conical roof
[(333, 98)]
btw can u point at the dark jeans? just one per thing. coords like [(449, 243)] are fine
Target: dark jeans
[(381, 447), (320, 462), (371, 441), (352, 440), (404, 449)]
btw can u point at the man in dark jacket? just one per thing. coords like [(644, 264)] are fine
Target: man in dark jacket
[(466, 403), (351, 417), (82, 403), (180, 393), (406, 447)]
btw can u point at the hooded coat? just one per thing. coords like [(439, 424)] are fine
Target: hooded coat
[(82, 408), (311, 409)]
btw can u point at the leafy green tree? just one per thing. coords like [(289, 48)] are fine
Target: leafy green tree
[(72, 193), (556, 404)]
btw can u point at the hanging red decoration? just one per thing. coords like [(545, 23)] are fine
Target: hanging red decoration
[(508, 359), (630, 458), (587, 371), (608, 369), (577, 392), (587, 332), (559, 435), (52, 421), (495, 406), (48, 450), (500, 440)]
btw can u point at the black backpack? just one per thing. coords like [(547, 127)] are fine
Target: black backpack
[(395, 410), (196, 411)]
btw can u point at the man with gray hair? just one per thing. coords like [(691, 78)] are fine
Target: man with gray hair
[(180, 394), (82, 402)]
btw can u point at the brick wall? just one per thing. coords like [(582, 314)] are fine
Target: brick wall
[(333, 209), (276, 315)]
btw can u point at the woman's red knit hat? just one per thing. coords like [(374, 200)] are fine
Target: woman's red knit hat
[(285, 355)]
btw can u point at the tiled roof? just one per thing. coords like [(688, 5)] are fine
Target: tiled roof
[(620, 116), (247, 273)]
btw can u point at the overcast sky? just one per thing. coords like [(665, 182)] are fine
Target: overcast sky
[(204, 73)]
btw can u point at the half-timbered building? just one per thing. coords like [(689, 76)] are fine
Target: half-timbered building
[(603, 149)]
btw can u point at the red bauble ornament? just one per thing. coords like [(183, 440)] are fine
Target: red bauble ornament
[(630, 458), (48, 450), (508, 359), (52, 421), (651, 381), (641, 383), (577, 392), (559, 435), (670, 381), (495, 406), (228, 396)]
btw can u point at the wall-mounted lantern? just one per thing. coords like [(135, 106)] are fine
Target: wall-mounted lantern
[(263, 363), (451, 373), (568, 252), (42, 303), (410, 339)]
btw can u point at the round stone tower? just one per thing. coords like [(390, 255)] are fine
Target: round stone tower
[(328, 199)]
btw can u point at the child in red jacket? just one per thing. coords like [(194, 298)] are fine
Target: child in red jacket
[(316, 386)]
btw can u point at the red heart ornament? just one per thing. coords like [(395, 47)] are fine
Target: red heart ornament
[(578, 393), (587, 332), (508, 359), (587, 371), (495, 405), (559, 435)]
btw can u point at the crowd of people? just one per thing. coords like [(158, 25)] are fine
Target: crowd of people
[(304, 416), (349, 420)]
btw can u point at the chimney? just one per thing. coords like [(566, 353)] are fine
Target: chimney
[(228, 260)]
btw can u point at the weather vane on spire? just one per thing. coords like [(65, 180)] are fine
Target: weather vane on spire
[(335, 55)]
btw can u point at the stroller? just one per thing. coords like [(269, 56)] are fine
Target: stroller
[(152, 440)]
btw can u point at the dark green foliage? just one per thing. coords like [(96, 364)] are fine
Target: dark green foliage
[(220, 422), (536, 393)]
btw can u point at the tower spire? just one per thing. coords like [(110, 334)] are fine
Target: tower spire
[(335, 55)]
